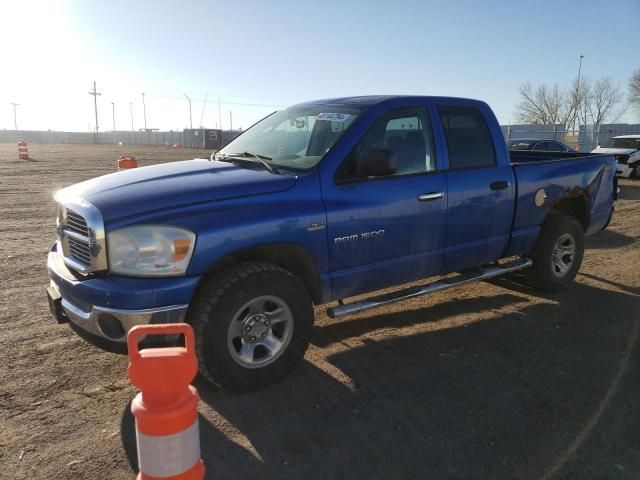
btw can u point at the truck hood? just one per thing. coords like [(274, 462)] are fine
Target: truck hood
[(169, 185), (614, 151)]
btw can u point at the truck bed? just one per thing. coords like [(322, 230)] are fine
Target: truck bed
[(587, 178), (523, 157)]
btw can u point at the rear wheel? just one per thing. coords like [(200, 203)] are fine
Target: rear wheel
[(557, 255), (252, 325)]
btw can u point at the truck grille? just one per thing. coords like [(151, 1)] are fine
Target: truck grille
[(81, 235), (76, 223)]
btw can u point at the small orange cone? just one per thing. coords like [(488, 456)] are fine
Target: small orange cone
[(23, 150), (126, 162)]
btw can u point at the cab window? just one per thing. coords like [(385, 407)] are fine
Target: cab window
[(406, 134)]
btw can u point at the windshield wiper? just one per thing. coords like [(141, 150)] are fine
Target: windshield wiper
[(261, 158)]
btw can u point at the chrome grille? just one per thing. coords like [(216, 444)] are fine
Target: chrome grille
[(76, 223), (81, 236), (80, 250)]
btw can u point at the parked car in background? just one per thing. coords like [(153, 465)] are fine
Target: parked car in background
[(538, 145), (626, 149)]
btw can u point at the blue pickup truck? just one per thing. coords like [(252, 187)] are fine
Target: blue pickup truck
[(316, 203)]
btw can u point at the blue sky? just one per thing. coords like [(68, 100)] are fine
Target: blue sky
[(272, 54)]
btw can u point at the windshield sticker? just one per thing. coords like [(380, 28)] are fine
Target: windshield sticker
[(334, 117)]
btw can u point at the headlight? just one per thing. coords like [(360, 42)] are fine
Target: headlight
[(150, 250)]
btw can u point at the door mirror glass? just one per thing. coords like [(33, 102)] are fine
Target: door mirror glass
[(375, 162)]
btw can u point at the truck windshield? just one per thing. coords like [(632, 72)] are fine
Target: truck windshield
[(297, 137), (624, 143)]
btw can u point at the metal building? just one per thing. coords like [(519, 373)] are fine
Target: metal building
[(207, 138)]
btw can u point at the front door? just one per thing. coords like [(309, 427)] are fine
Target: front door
[(388, 230)]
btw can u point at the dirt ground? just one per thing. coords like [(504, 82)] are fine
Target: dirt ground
[(489, 381)]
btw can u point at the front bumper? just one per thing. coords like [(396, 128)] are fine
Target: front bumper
[(104, 309)]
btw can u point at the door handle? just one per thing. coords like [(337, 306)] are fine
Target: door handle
[(425, 197), (499, 185)]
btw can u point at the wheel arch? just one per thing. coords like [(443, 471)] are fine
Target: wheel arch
[(289, 256), (574, 206)]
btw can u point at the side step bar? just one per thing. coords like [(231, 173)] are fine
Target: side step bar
[(387, 298)]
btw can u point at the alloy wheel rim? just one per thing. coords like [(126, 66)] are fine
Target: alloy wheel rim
[(260, 331), (563, 255)]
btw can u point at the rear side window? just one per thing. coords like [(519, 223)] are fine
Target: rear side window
[(468, 139)]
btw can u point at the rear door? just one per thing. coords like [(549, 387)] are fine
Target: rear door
[(480, 188)]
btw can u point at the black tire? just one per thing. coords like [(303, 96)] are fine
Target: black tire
[(545, 274), (220, 299)]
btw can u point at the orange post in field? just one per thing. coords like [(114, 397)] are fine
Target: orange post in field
[(23, 150), (127, 161), (166, 409)]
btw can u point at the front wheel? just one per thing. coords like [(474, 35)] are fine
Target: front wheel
[(557, 255), (252, 324)]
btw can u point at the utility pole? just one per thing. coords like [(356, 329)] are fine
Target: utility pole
[(219, 113), (144, 112), (230, 121), (15, 118), (95, 102), (131, 111), (190, 116)]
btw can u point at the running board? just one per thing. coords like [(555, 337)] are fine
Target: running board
[(387, 298)]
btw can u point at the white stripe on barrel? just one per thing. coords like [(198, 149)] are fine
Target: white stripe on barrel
[(168, 455)]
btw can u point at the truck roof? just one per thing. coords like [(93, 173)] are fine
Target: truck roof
[(627, 136), (370, 100)]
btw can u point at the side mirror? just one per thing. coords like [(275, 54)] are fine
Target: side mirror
[(375, 162)]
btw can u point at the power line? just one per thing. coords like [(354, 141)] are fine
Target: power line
[(95, 102), (168, 97)]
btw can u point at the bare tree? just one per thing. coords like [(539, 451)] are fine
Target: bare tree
[(604, 103), (575, 107), (634, 89), (542, 105), (582, 104)]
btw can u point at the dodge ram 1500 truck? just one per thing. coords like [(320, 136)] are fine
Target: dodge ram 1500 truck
[(316, 203)]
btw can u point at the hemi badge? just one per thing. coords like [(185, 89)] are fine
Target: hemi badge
[(315, 226)]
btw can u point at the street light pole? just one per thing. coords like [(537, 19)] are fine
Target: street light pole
[(15, 118), (144, 112), (230, 121), (190, 116), (113, 117), (578, 94), (131, 111)]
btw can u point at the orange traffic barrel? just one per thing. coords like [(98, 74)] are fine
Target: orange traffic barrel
[(127, 161), (23, 150), (166, 409)]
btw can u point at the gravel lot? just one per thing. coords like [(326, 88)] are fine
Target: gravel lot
[(490, 381)]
